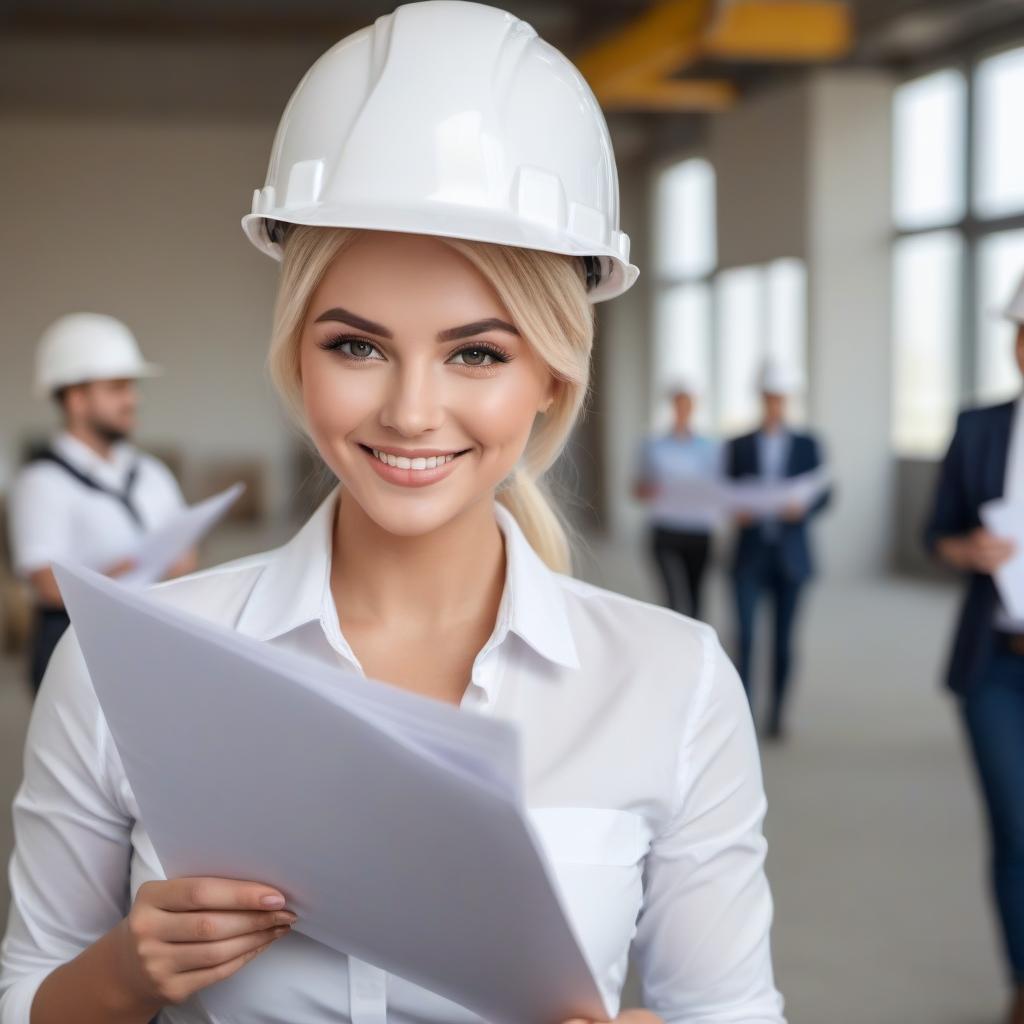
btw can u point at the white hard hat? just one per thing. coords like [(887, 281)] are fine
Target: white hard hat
[(1015, 310), (83, 347), (682, 384), (453, 119), (778, 379)]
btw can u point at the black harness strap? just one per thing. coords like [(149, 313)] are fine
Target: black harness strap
[(124, 497)]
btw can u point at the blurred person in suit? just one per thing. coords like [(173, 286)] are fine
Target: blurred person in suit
[(773, 554), (985, 462)]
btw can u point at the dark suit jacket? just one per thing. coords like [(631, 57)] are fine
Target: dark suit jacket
[(742, 460), (973, 472)]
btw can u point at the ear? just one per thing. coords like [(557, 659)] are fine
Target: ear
[(553, 391)]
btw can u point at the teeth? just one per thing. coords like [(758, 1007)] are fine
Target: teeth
[(401, 462)]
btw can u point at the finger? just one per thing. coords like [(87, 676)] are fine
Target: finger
[(194, 956), (187, 983), (185, 894), (214, 925)]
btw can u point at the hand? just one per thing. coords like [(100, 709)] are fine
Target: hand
[(745, 519), (984, 552), (627, 1017), (977, 551), (793, 513), (119, 568), (183, 935)]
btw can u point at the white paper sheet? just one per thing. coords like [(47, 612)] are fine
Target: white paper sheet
[(715, 500), (393, 824), (1005, 519), (162, 547)]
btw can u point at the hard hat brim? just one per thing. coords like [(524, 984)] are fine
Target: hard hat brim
[(139, 371), (450, 222)]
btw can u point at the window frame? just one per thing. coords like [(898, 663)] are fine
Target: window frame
[(972, 228)]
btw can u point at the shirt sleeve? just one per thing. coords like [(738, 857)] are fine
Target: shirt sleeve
[(40, 524), (69, 873), (703, 944)]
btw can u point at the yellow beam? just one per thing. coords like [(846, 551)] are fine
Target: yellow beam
[(653, 45), (783, 30), (692, 95)]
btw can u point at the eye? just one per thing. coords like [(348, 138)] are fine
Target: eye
[(357, 349), (479, 355)]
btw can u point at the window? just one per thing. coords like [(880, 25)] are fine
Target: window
[(926, 322), (762, 313), (1000, 266), (713, 327), (683, 345), (999, 163), (686, 237), (948, 252), (928, 137)]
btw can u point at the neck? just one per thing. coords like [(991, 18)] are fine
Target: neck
[(449, 578), (91, 439)]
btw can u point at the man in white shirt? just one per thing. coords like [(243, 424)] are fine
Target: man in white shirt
[(89, 496)]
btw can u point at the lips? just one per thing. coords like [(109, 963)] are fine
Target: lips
[(418, 471)]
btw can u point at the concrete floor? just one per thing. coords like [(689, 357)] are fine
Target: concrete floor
[(876, 848)]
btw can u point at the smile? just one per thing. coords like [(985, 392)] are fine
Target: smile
[(408, 471)]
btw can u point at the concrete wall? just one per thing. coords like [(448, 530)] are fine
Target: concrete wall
[(125, 179), (760, 154), (848, 224)]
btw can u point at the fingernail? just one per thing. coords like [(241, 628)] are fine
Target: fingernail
[(278, 932), (286, 918), (272, 902)]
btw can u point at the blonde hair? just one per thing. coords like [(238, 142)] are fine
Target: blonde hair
[(544, 294)]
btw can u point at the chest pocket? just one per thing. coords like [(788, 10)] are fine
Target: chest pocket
[(597, 855)]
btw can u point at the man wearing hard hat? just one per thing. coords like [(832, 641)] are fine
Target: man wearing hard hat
[(985, 462), (773, 554), (680, 535), (90, 495)]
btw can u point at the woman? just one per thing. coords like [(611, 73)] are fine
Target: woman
[(438, 378)]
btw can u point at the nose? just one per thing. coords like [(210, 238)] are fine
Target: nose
[(413, 404)]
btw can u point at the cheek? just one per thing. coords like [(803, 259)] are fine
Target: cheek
[(335, 401), (499, 412)]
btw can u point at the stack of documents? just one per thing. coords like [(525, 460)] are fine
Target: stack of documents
[(715, 499), (393, 824)]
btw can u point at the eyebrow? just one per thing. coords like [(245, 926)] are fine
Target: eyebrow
[(345, 316)]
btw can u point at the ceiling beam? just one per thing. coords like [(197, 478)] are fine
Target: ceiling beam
[(779, 30), (634, 68)]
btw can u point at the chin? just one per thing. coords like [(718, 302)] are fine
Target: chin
[(410, 519)]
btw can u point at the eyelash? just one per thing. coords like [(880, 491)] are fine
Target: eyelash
[(334, 345)]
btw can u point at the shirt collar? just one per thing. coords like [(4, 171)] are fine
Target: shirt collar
[(82, 457), (294, 589)]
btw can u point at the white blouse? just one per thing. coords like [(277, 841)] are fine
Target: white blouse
[(642, 777)]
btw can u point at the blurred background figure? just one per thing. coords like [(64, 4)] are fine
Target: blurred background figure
[(772, 555), (89, 495), (985, 461), (680, 535)]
